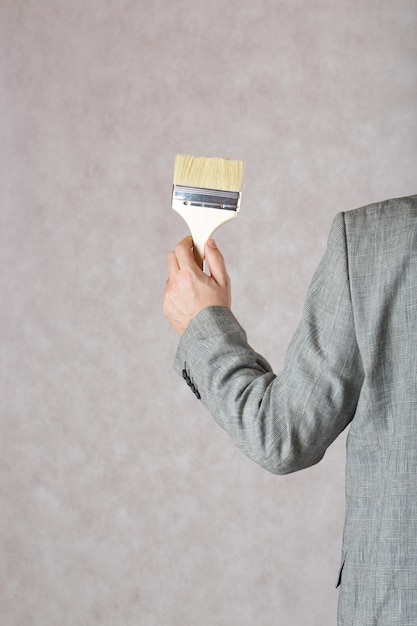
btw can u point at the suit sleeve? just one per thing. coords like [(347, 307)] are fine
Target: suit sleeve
[(282, 422)]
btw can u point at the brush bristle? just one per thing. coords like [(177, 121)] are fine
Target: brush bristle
[(208, 172)]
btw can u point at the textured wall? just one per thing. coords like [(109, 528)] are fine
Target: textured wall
[(121, 501)]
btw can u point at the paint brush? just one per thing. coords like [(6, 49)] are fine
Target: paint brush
[(206, 193)]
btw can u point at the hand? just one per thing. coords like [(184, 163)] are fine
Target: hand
[(189, 290)]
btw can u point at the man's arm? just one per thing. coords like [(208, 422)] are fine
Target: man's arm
[(286, 422)]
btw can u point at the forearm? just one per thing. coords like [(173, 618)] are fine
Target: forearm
[(240, 390)]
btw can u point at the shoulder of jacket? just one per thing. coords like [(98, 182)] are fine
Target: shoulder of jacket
[(384, 208)]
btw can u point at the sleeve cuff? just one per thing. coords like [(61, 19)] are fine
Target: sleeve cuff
[(210, 322)]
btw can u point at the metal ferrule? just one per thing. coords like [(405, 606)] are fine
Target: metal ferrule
[(210, 198)]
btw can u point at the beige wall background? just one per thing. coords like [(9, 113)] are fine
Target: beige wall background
[(122, 502)]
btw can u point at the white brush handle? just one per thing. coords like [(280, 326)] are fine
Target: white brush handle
[(202, 222)]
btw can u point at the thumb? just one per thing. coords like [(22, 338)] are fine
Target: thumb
[(216, 263)]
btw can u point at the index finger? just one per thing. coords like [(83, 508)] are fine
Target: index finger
[(172, 264), (184, 252)]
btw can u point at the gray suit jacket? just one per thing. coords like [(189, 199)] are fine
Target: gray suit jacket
[(353, 360)]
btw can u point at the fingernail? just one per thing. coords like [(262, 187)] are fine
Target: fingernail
[(211, 243)]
